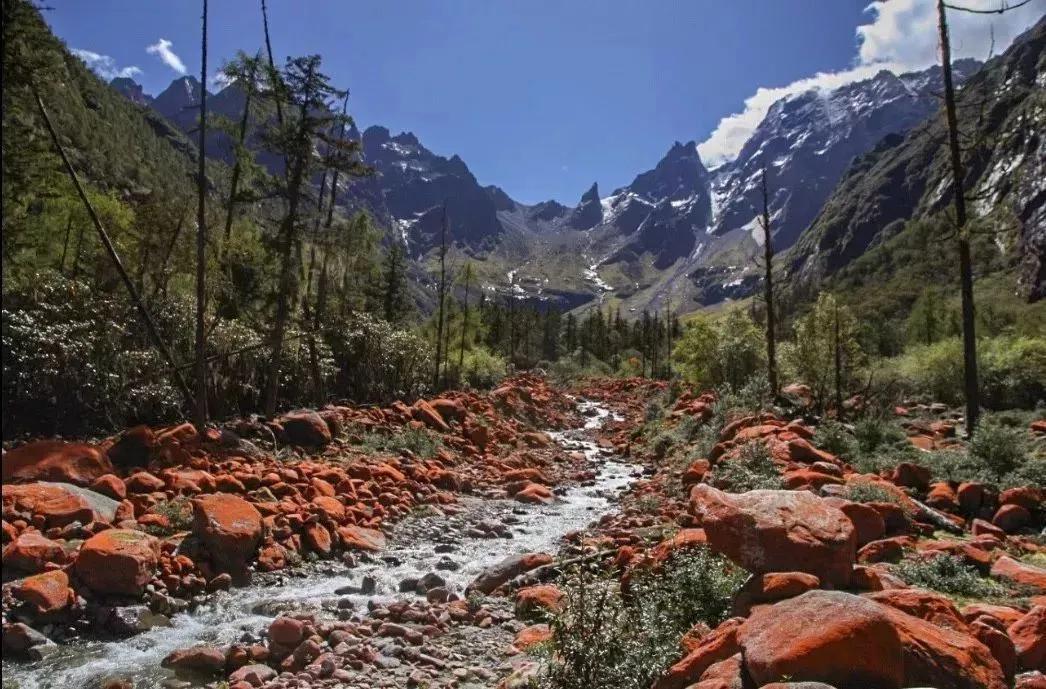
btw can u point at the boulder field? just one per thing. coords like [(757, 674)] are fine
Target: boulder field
[(165, 515), (823, 606), (161, 517)]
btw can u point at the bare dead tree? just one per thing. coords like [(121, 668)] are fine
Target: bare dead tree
[(969, 338), (442, 295), (150, 325), (768, 291), (200, 369)]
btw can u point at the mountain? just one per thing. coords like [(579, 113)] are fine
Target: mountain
[(807, 141), (1003, 109), (131, 90), (180, 102), (410, 185), (679, 231)]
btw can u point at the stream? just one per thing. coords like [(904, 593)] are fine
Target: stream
[(417, 546)]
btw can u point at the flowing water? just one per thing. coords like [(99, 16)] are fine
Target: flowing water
[(411, 553)]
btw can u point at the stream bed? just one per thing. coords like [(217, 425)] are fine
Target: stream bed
[(419, 545)]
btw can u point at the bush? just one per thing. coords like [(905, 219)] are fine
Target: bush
[(869, 491), (1012, 371), (1000, 448), (752, 469), (482, 369), (832, 436), (875, 432), (420, 442), (947, 574), (608, 639)]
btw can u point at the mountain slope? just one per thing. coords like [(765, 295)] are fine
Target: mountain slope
[(1003, 108)]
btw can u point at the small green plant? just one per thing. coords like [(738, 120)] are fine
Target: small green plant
[(875, 432), (648, 504), (611, 639), (832, 436), (948, 574), (418, 441), (752, 469), (179, 513), (869, 491)]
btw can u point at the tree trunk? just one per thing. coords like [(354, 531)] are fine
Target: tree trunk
[(200, 367), (150, 325), (464, 328), (237, 166), (768, 293), (65, 245), (838, 356), (442, 295), (969, 336), (288, 282)]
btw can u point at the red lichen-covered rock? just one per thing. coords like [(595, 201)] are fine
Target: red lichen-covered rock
[(531, 636), (1011, 518), (772, 587), (826, 636), (143, 482), (54, 460), (1029, 639), (254, 675), (306, 428), (509, 568), (287, 631), (534, 493), (118, 561), (885, 549), (229, 527), (1028, 497), (542, 597), (926, 605), (133, 447), (912, 476), (111, 486), (1003, 614), (716, 646), (207, 659), (778, 531), (1001, 646), (869, 525), (58, 504), (979, 527), (361, 538), (684, 539), (1020, 573), (936, 656), (47, 593), (424, 412), (31, 552)]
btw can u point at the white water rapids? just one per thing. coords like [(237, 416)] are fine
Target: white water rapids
[(229, 615)]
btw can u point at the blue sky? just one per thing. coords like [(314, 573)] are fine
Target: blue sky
[(541, 97)]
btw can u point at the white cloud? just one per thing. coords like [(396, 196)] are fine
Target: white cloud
[(105, 66), (162, 49), (218, 81), (900, 36)]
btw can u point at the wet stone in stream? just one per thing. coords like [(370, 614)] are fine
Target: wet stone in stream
[(390, 639)]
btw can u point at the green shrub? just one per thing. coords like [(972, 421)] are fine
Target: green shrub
[(178, 511), (1000, 448), (420, 442), (482, 369), (752, 469), (947, 574), (607, 639), (1012, 371), (832, 436), (875, 432)]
